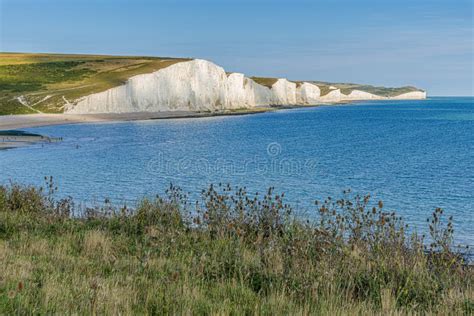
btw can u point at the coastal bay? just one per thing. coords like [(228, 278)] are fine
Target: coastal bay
[(379, 147)]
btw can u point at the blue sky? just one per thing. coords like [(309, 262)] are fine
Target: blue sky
[(427, 43)]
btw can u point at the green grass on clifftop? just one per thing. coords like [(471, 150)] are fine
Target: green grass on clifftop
[(44, 80), (267, 82)]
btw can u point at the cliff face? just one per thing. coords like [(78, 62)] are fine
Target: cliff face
[(415, 95), (360, 95), (193, 86), (199, 85), (333, 96), (308, 94), (284, 92)]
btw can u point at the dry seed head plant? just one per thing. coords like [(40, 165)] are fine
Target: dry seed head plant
[(229, 252)]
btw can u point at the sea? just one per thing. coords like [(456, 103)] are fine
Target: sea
[(415, 156)]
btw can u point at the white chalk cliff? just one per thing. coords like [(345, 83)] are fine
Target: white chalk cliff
[(361, 95), (414, 95), (199, 85), (334, 95), (308, 94)]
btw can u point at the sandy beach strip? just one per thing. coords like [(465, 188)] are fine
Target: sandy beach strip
[(11, 135), (16, 122)]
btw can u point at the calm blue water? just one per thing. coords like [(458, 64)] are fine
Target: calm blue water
[(414, 155)]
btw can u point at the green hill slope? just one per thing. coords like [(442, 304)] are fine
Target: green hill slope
[(43, 79)]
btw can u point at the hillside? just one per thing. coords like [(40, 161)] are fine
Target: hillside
[(56, 83), (44, 79)]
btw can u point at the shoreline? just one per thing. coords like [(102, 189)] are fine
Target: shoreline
[(15, 139), (12, 136), (21, 121), (11, 125)]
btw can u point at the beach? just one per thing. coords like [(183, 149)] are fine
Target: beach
[(11, 137), (14, 122)]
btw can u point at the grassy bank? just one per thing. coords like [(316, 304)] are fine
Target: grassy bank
[(229, 253)]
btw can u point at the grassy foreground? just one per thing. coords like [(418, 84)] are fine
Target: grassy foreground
[(230, 253)]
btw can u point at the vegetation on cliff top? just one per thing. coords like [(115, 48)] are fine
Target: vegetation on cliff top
[(347, 88), (231, 253), (44, 79), (267, 82)]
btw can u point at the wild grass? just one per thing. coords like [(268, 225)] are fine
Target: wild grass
[(33, 77), (230, 253)]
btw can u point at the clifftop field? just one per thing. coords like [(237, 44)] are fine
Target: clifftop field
[(44, 79), (35, 83)]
